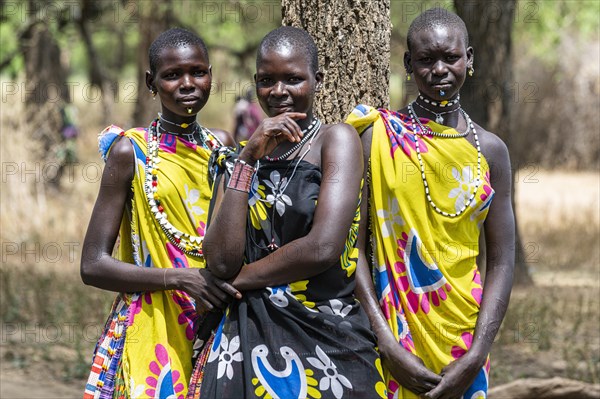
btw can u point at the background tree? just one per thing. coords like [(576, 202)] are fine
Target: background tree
[(353, 38), (46, 96), (488, 94), (154, 18)]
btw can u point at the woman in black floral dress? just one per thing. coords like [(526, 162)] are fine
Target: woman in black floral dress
[(284, 229)]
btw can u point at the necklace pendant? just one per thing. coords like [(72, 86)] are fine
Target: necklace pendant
[(272, 247), (439, 119)]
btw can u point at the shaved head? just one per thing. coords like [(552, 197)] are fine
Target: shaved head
[(173, 38), (436, 18), (291, 39)]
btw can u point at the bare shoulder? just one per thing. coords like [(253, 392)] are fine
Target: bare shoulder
[(122, 151), (120, 161), (339, 134), (492, 147)]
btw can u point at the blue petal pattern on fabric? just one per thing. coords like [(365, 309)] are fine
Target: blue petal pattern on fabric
[(422, 276)]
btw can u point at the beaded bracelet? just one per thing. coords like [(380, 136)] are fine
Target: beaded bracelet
[(241, 178)]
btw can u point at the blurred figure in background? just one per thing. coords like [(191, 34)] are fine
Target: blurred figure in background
[(247, 117)]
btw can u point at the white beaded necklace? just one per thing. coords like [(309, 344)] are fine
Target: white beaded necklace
[(314, 127), (279, 191), (189, 244), (415, 121), (443, 135)]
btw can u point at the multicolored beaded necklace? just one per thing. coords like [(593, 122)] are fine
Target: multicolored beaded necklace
[(415, 121), (441, 104), (189, 244)]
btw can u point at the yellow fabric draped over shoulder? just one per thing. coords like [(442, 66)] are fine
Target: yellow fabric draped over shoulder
[(146, 347), (425, 272)]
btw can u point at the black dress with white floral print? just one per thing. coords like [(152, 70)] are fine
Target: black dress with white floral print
[(306, 339)]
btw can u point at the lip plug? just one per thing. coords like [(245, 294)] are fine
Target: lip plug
[(189, 110), (442, 93)]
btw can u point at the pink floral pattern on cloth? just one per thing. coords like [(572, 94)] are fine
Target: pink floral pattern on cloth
[(188, 315), (487, 188), (417, 301), (201, 229), (177, 257), (164, 382), (401, 137), (136, 306), (477, 292)]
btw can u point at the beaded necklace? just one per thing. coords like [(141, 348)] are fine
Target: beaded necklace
[(280, 190), (415, 121), (191, 137), (438, 115), (182, 125), (314, 127), (189, 244), (441, 104), (443, 135)]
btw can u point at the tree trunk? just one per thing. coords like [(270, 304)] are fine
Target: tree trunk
[(488, 94), (154, 17), (353, 38), (46, 96), (97, 71)]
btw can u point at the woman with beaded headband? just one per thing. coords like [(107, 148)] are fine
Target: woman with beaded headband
[(285, 225), (154, 196), (437, 181)]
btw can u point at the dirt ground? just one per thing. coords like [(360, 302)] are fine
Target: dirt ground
[(549, 330), (16, 385)]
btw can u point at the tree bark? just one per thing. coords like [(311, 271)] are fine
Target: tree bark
[(46, 96), (487, 95), (353, 38), (98, 72), (154, 17)]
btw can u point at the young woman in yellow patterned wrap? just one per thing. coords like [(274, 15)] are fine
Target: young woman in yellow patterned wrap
[(154, 196), (436, 182)]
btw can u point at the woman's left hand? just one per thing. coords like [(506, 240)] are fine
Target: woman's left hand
[(457, 377)]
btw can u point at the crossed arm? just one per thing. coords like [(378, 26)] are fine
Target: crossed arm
[(320, 248)]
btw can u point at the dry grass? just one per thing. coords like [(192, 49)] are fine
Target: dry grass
[(551, 329)]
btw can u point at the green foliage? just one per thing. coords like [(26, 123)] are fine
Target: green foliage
[(232, 27), (545, 24)]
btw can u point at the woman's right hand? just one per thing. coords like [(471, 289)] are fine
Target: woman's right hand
[(408, 369), (209, 292), (270, 133)]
